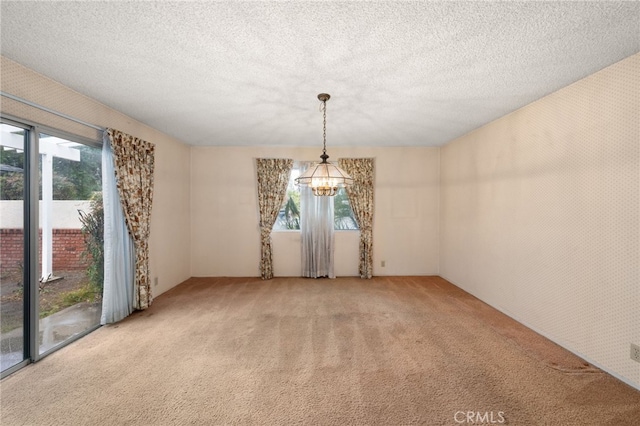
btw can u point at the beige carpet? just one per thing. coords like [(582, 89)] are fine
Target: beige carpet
[(387, 351)]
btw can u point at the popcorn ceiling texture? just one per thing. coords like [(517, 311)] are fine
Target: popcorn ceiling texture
[(247, 73), (540, 216)]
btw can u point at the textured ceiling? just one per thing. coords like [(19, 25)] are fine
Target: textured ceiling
[(247, 73)]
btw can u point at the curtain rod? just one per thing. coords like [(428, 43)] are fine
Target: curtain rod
[(43, 108)]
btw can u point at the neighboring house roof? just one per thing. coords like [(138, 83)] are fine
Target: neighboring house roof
[(7, 168)]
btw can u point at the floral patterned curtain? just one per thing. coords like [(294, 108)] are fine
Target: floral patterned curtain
[(134, 166), (361, 201), (273, 178)]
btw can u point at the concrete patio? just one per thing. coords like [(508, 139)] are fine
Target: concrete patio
[(52, 331)]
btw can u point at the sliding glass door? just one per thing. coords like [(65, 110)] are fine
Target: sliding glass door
[(13, 140), (51, 223), (70, 227)]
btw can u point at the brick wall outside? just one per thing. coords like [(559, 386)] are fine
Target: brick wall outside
[(68, 245)]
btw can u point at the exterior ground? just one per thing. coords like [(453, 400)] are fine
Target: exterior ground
[(72, 287)]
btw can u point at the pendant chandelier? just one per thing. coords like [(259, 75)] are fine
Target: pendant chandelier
[(324, 178)]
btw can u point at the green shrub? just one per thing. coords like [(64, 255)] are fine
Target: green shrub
[(86, 293), (93, 231)]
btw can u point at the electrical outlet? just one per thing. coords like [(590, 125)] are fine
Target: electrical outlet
[(155, 281), (635, 352), (383, 263)]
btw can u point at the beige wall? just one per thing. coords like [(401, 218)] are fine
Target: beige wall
[(170, 228), (224, 213), (540, 216)]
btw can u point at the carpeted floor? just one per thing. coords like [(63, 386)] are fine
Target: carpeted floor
[(387, 351)]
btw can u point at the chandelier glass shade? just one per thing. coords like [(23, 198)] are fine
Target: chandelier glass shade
[(324, 178)]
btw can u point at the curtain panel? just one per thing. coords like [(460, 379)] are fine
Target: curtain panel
[(273, 178), (119, 247), (361, 200), (134, 167)]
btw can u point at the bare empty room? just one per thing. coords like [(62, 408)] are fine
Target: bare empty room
[(309, 212)]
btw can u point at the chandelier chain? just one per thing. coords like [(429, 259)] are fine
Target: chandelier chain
[(324, 178), (324, 127)]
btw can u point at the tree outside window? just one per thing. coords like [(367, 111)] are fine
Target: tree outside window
[(289, 215)]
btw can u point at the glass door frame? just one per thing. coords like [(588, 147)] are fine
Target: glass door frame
[(29, 244), (31, 202)]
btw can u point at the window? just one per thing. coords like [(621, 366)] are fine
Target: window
[(289, 216)]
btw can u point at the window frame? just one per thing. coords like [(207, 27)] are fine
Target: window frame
[(295, 171)]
